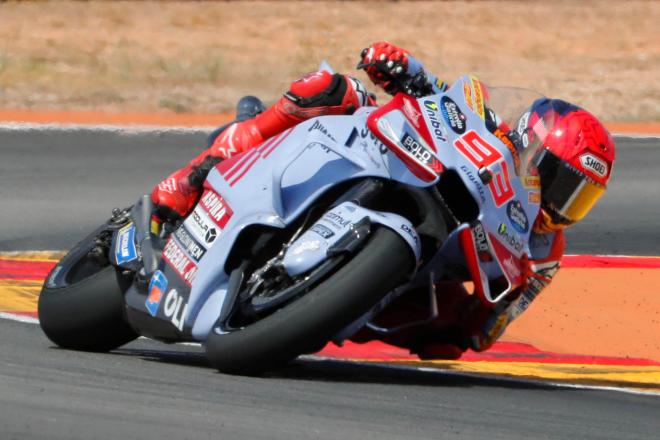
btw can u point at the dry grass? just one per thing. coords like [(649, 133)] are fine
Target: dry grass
[(200, 57)]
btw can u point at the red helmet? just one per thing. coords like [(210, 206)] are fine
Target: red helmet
[(574, 160)]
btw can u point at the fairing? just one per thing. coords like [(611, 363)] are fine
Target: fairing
[(412, 141)]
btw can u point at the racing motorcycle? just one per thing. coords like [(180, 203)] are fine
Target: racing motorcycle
[(307, 237)]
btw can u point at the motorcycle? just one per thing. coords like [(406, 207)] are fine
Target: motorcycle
[(307, 237)]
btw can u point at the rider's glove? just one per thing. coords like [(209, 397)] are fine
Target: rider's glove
[(386, 64)]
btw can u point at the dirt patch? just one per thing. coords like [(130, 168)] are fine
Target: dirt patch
[(604, 312), (201, 57)]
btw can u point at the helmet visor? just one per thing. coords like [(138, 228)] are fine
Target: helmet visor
[(568, 193)]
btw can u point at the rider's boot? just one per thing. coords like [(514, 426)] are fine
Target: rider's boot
[(316, 94)]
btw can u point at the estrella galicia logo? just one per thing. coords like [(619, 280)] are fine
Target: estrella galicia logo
[(453, 115), (125, 250), (517, 216)]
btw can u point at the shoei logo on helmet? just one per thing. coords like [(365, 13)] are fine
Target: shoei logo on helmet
[(594, 164)]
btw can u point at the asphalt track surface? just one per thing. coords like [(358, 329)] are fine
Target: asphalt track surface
[(55, 186)]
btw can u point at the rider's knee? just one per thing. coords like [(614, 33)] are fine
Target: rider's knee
[(335, 92)]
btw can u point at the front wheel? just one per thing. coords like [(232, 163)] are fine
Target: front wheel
[(81, 305), (312, 319)]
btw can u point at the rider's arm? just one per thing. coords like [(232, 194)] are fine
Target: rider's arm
[(547, 250), (395, 70)]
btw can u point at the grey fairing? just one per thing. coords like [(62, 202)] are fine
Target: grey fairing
[(311, 158), (313, 246)]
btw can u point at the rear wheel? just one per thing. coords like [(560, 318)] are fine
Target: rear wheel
[(81, 305), (313, 318)]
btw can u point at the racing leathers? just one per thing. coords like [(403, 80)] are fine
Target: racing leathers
[(464, 321), (315, 94)]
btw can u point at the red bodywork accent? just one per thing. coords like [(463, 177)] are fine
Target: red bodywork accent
[(234, 168), (472, 260), (508, 261), (414, 166), (420, 125), (482, 154)]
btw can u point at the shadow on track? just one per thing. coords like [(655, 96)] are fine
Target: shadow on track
[(340, 371)]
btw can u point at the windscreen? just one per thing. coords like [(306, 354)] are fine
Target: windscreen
[(511, 109)]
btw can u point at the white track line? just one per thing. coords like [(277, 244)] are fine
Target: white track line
[(29, 127), (19, 318)]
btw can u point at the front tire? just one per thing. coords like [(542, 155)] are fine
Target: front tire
[(314, 318)]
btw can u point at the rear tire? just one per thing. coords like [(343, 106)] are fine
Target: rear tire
[(314, 318), (86, 314)]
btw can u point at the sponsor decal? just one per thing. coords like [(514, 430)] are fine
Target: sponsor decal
[(323, 147), (168, 185), (322, 231), (512, 239), (320, 127), (525, 299), (481, 242), (531, 182), (365, 134), (478, 97), (511, 267), (157, 287), (211, 235), (125, 250), (432, 113), (594, 164), (178, 259), (192, 246), (411, 232), (201, 227), (534, 197), (417, 150), (509, 145), (336, 220), (517, 216), (453, 115), (522, 129), (217, 208), (411, 112), (477, 182), (175, 308), (467, 93)]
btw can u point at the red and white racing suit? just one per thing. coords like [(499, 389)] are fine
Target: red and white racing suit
[(464, 321)]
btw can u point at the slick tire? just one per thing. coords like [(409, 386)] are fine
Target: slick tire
[(87, 315), (314, 318)]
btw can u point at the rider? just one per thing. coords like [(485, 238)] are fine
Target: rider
[(574, 167)]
